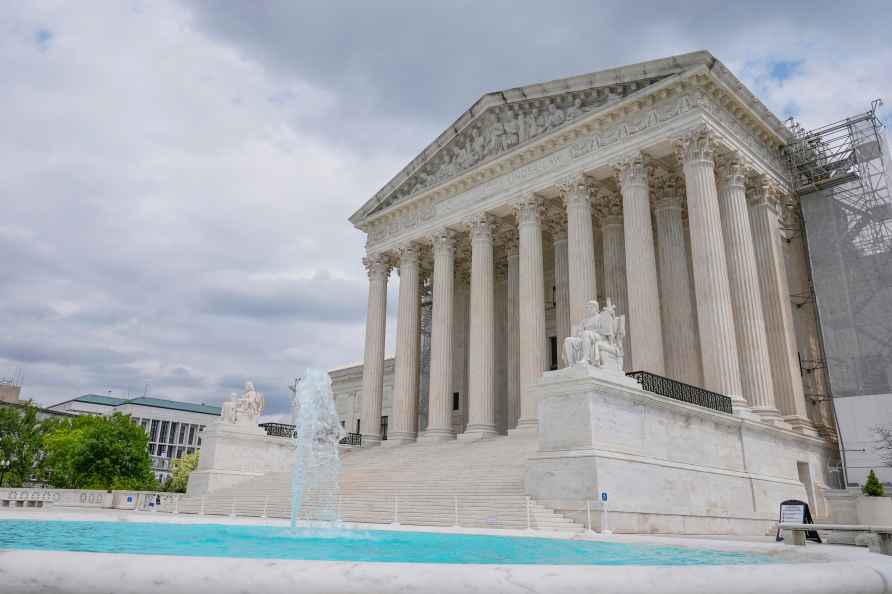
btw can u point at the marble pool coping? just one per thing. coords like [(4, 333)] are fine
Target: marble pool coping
[(814, 568)]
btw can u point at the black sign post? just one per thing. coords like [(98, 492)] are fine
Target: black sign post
[(793, 511)]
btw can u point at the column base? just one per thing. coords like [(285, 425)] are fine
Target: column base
[(801, 425), (398, 439), (370, 441), (525, 428), (771, 416), (740, 408), (436, 435), (474, 432)]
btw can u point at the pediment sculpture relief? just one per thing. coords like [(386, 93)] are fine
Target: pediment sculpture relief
[(506, 126)]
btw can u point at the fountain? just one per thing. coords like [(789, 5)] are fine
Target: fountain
[(317, 465)]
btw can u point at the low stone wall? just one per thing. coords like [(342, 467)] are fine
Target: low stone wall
[(667, 466), (24, 497)]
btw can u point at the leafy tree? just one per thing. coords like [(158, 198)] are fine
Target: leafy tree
[(20, 444), (873, 487), (182, 468), (88, 452)]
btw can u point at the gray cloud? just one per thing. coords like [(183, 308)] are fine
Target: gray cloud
[(177, 175)]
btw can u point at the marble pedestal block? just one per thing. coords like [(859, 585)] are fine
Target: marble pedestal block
[(667, 466), (232, 453)]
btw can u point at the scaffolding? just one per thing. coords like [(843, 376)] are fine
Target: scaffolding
[(840, 173)]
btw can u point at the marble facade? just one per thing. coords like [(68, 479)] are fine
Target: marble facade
[(659, 185)]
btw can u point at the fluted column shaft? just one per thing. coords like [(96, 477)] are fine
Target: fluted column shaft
[(481, 372), (615, 274), (439, 423), (404, 416), (676, 300), (533, 356), (580, 251), (512, 288), (746, 301), (718, 343), (645, 324), (788, 392), (378, 268), (562, 320)]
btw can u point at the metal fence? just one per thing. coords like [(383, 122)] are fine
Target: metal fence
[(681, 391)]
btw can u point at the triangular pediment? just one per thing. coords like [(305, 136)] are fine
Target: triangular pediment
[(502, 121)]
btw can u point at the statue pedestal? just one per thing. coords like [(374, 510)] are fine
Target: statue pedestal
[(668, 466), (235, 452)]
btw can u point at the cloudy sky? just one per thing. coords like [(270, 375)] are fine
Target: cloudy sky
[(177, 176)]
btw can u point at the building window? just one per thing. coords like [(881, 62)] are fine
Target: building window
[(456, 401), (357, 426), (165, 425), (172, 436), (191, 434), (153, 436), (383, 428), (344, 424), (182, 433), (552, 344)]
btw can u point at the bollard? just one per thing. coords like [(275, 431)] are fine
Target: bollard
[(265, 505), (232, 513), (176, 504), (456, 511), (396, 510), (202, 504), (588, 513), (529, 524)]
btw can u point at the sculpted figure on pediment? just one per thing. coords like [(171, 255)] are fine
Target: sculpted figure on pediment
[(503, 127)]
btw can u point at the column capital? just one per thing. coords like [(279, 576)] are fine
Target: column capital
[(631, 170), (408, 253), (528, 209), (696, 146), (378, 265), (731, 172), (668, 195), (763, 193), (481, 227), (443, 241), (576, 189)]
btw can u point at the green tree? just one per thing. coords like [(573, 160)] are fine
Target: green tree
[(873, 487), (88, 452), (20, 444), (182, 468)]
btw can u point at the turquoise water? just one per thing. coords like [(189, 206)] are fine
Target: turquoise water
[(267, 542)]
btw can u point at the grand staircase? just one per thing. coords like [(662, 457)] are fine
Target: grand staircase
[(459, 483)]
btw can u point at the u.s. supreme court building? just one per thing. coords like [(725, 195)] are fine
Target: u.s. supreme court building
[(662, 188)]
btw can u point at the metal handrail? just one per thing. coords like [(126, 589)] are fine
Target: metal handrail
[(681, 391)]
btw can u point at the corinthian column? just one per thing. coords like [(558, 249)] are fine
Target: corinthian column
[(512, 288), (776, 308), (404, 417), (718, 343), (679, 323), (645, 325), (439, 419), (614, 249), (378, 267), (746, 302), (562, 308), (481, 372), (580, 249), (533, 361)]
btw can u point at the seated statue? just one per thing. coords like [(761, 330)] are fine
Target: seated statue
[(597, 339), (244, 410)]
